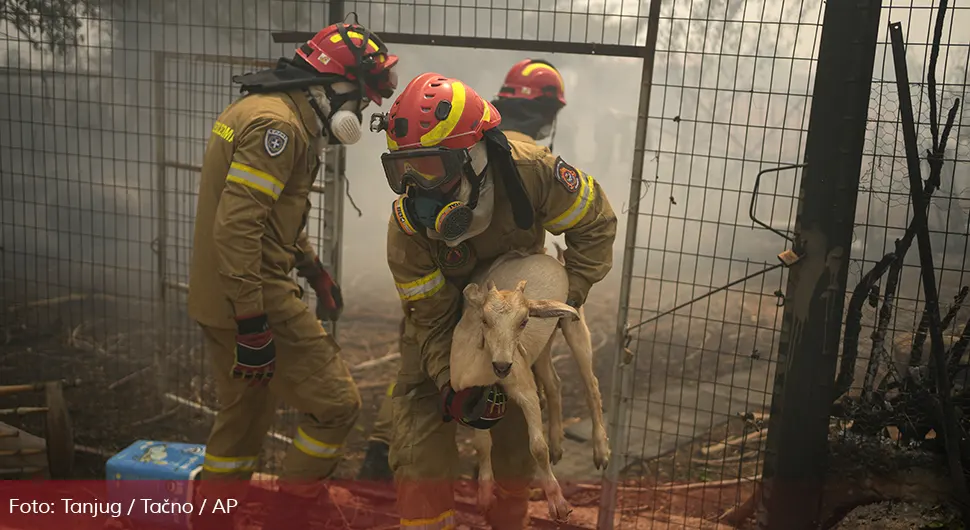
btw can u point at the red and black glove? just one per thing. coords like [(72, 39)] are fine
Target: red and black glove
[(478, 407), (255, 350), (330, 301)]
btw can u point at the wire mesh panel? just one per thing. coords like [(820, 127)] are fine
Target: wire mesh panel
[(78, 271), (600, 22), (728, 115)]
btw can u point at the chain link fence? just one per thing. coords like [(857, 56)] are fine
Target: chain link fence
[(108, 106)]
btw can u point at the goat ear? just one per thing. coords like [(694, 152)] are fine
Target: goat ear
[(521, 286), (473, 294), (490, 285), (551, 309)]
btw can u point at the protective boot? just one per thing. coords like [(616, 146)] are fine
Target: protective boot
[(375, 466), (510, 510)]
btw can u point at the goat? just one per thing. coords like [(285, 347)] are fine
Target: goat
[(496, 341)]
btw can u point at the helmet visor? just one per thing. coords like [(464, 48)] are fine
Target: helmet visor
[(427, 168)]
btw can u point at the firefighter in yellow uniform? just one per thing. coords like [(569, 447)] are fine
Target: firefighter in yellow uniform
[(529, 101), (467, 194), (263, 342)]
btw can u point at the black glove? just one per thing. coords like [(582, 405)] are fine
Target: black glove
[(478, 407), (330, 300), (255, 350)]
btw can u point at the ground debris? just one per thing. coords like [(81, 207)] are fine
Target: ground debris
[(890, 515)]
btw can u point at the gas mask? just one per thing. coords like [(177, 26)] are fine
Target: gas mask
[(446, 193), (339, 107)]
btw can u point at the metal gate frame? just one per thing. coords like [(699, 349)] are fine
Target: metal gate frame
[(327, 242), (622, 384)]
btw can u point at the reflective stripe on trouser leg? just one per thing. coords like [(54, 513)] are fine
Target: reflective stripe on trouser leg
[(444, 521), (315, 448), (383, 424), (424, 457), (229, 464), (317, 382)]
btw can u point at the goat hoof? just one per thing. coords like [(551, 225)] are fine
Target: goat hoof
[(601, 460), (559, 509), (555, 455), (601, 455)]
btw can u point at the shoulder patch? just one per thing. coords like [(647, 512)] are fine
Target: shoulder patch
[(567, 175), (275, 142)]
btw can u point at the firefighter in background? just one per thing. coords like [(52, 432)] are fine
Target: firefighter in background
[(263, 341), (529, 101), (468, 194)]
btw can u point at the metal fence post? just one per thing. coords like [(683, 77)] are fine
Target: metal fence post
[(795, 463), (161, 238), (334, 198), (622, 387)]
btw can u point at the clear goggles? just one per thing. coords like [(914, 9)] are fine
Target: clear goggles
[(427, 168)]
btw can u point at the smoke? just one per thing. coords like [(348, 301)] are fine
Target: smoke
[(79, 172)]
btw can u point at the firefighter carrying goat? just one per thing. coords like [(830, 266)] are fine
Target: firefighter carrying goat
[(530, 99), (468, 194)]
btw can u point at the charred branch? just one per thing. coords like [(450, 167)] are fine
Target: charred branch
[(879, 334), (853, 323)]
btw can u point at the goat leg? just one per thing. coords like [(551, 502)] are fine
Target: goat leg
[(526, 397), (482, 441), (547, 377), (577, 337)]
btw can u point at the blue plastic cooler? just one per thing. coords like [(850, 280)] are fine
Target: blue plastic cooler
[(159, 471)]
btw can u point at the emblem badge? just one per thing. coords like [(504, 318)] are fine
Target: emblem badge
[(567, 175), (275, 142), (453, 258)]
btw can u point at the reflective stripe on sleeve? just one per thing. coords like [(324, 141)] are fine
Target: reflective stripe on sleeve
[(577, 210), (445, 521), (421, 288), (255, 179), (229, 464), (314, 448)]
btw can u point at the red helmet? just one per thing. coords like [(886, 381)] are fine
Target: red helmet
[(434, 110), (430, 127), (533, 79), (353, 52)]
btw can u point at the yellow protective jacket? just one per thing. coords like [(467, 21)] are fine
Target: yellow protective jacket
[(430, 277), (260, 162), (516, 136)]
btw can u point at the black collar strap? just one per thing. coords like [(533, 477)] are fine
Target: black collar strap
[(500, 152)]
